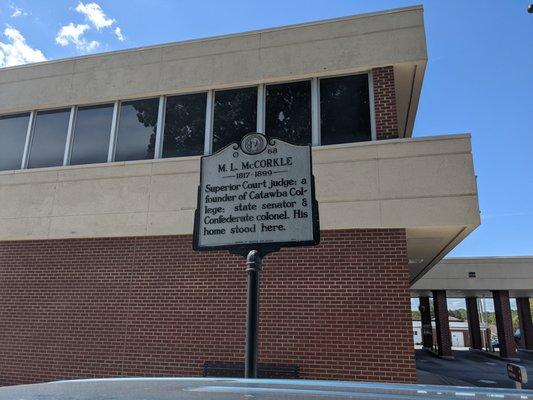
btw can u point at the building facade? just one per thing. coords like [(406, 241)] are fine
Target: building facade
[(100, 158)]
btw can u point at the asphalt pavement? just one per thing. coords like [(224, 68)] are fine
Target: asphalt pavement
[(469, 368)]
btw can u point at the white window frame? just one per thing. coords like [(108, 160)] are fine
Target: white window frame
[(160, 129), (373, 133), (209, 114), (70, 135), (315, 112), (113, 133), (29, 138), (261, 108)]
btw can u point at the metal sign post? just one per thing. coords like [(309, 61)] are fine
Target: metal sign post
[(253, 270), (255, 197)]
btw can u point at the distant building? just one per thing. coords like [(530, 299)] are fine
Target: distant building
[(460, 334)]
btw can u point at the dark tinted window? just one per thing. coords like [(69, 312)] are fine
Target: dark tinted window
[(13, 130), (91, 134), (136, 130), (185, 125), (49, 137), (344, 109), (235, 115), (288, 112)]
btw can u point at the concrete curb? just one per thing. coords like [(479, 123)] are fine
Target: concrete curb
[(435, 354), (514, 359)]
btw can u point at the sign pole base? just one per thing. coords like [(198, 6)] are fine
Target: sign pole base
[(253, 270)]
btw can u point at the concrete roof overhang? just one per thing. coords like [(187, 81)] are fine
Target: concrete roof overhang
[(478, 276)]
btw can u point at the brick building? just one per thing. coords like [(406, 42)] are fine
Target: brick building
[(100, 159)]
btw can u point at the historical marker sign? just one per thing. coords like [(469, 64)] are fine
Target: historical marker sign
[(256, 194), (254, 198)]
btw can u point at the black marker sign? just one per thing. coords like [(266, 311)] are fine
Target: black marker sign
[(259, 193), (517, 373)]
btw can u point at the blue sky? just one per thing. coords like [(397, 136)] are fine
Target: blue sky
[(479, 77)]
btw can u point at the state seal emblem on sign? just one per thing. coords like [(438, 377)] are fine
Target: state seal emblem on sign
[(253, 143)]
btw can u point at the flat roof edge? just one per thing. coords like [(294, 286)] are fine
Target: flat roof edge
[(452, 136), (487, 259), (417, 7)]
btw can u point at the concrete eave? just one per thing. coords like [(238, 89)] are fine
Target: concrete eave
[(352, 17), (513, 273), (425, 185)]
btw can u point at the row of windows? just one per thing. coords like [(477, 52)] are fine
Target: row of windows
[(344, 110)]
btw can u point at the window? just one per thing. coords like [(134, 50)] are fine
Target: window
[(91, 134), (344, 118), (344, 109), (13, 130), (49, 137), (288, 112), (184, 125), (136, 130), (235, 115)]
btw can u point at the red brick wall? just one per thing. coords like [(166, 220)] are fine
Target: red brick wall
[(474, 330), (442, 324), (385, 103), (504, 323), (525, 322), (151, 306)]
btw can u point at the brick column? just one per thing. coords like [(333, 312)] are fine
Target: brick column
[(442, 324), (504, 323), (385, 103), (472, 314), (425, 321), (526, 325)]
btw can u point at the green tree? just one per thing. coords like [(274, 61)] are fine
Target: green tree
[(460, 314)]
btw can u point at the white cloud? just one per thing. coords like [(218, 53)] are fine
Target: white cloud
[(94, 13), (97, 17), (119, 34), (73, 34), (17, 11), (92, 45), (16, 51)]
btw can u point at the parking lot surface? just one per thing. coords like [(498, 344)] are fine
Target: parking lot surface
[(469, 368)]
